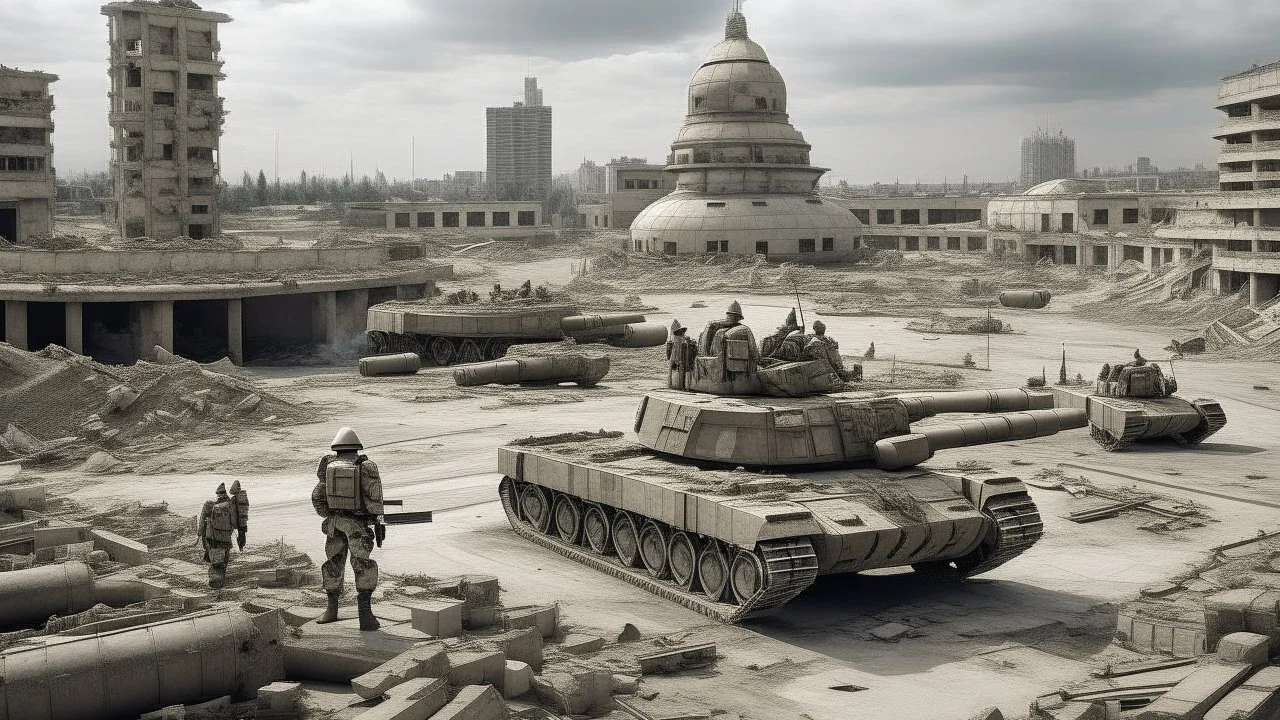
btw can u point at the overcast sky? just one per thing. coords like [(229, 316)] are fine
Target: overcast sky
[(905, 89)]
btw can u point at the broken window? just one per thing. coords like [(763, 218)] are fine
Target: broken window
[(134, 229), (502, 219), (133, 47), (199, 209), (402, 220), (200, 153), (757, 154), (199, 81), (968, 215), (22, 136), (638, 246), (775, 104), (669, 248), (938, 216), (160, 39), (166, 151), (698, 100), (828, 244), (910, 217), (133, 76), (629, 185), (1101, 216), (196, 232), (162, 98), (426, 219), (21, 164), (1130, 216), (806, 245), (884, 217), (449, 219), (527, 217), (762, 247), (132, 106), (712, 246), (762, 103), (200, 186), (724, 246)]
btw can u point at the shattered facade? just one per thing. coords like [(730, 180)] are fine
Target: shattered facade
[(26, 154), (518, 143), (166, 118)]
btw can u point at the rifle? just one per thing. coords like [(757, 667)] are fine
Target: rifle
[(401, 518)]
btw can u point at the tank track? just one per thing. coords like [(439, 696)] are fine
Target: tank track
[(1018, 527), (1213, 420), (1108, 441), (440, 350), (791, 566)]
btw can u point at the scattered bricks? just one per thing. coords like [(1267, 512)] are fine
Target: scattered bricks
[(1224, 613), (475, 702), (479, 590), (478, 618), (577, 694), (1198, 692), (413, 700), (676, 659), (1257, 699), (1244, 647), (521, 645), (630, 633), (437, 618), (891, 632), (476, 668), (120, 548), (428, 660), (543, 618), (582, 644), (625, 685), (279, 697), (517, 679)]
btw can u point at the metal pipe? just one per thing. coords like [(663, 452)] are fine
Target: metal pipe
[(575, 324), (905, 451), (30, 597), (554, 368), (1027, 299), (639, 336), (975, 401), (400, 364)]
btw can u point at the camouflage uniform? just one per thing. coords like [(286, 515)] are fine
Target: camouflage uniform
[(681, 351), (346, 532), (219, 519)]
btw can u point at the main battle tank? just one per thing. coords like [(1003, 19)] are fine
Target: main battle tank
[(451, 334), (733, 504), (1135, 401)]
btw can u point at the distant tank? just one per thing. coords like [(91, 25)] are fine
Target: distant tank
[(1135, 401), (452, 334), (1026, 299), (732, 503)]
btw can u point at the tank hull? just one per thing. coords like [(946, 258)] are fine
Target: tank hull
[(1117, 423), (680, 532)]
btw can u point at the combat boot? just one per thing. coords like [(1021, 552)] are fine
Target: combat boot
[(330, 613), (365, 605)]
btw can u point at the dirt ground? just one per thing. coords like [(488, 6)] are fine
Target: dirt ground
[(1029, 626)]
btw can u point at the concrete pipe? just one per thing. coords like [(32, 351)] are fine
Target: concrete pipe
[(125, 673), (579, 324), (552, 369), (905, 451), (30, 597), (1025, 299), (401, 364), (976, 401), (639, 336)]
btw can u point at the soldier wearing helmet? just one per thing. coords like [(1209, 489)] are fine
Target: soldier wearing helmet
[(226, 514), (349, 498), (681, 351), (732, 319)]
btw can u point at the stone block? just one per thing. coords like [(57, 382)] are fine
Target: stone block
[(120, 548), (192, 599), (1258, 698), (479, 590), (279, 696), (1224, 613), (413, 700), (577, 694), (1244, 647), (543, 618), (478, 618), (517, 679), (61, 533), (1195, 694), (476, 668), (427, 660), (676, 659), (521, 645), (625, 685), (582, 644), (891, 632), (475, 702), (437, 618)]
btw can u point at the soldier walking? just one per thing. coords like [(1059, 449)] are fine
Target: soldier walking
[(349, 498), (219, 518)]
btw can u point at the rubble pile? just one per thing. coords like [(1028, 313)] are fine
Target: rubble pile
[(949, 324)]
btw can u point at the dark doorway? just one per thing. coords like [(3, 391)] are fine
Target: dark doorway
[(278, 329), (200, 329), (9, 224), (109, 333), (46, 325)]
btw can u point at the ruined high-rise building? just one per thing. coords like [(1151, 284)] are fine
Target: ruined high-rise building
[(519, 147), (1047, 156), (26, 154), (166, 117)]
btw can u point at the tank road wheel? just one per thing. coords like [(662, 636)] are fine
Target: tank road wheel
[(595, 528), (441, 351), (378, 341), (682, 556), (626, 540), (746, 576), (469, 352), (653, 550), (535, 507), (1109, 442), (567, 514), (713, 571), (497, 348)]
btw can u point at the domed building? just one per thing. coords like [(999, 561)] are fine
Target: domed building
[(744, 182)]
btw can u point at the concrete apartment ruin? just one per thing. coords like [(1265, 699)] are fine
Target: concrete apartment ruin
[(26, 154), (518, 147), (166, 118)]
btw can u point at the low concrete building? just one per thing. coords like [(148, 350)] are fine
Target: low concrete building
[(26, 154), (488, 219), (210, 304)]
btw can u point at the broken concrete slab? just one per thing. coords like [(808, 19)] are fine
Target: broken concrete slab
[(120, 548), (517, 679), (280, 696), (474, 702), (544, 618), (582, 644), (1197, 693), (479, 590), (413, 700), (1244, 647), (392, 613), (476, 668), (577, 694), (437, 618), (891, 632), (522, 645), (625, 684), (1257, 698), (427, 660), (478, 618), (680, 658)]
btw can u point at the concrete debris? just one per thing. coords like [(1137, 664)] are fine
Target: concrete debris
[(476, 668), (413, 700), (679, 658), (437, 618), (475, 702), (1258, 698), (102, 463), (428, 660), (891, 632), (582, 644), (520, 645), (279, 697), (1196, 694), (625, 685), (517, 679), (543, 618), (576, 694), (630, 633), (992, 713), (1244, 647)]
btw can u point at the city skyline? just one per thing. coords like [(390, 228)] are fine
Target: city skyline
[(878, 105)]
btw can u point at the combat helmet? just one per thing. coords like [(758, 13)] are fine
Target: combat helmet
[(346, 439), (676, 327), (221, 491), (819, 327), (734, 309)]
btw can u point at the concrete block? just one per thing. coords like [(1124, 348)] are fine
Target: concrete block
[(428, 660), (279, 696), (437, 618), (29, 497), (54, 535), (1224, 613), (1258, 698), (543, 618), (120, 548), (676, 659), (479, 590), (577, 694), (476, 668), (582, 644), (478, 618), (1195, 694), (413, 700), (1244, 647), (521, 645), (475, 702), (625, 684), (891, 632), (517, 679)]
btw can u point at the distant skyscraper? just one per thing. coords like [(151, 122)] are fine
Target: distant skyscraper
[(1047, 156), (519, 147), (590, 178)]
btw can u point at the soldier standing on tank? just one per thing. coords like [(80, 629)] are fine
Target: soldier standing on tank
[(732, 318), (680, 356), (349, 498), (1138, 360), (219, 518)]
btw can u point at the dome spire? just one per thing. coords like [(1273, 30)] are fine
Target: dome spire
[(735, 26)]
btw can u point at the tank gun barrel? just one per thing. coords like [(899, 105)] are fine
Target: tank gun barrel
[(578, 324), (556, 368), (631, 336), (905, 451), (975, 401)]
